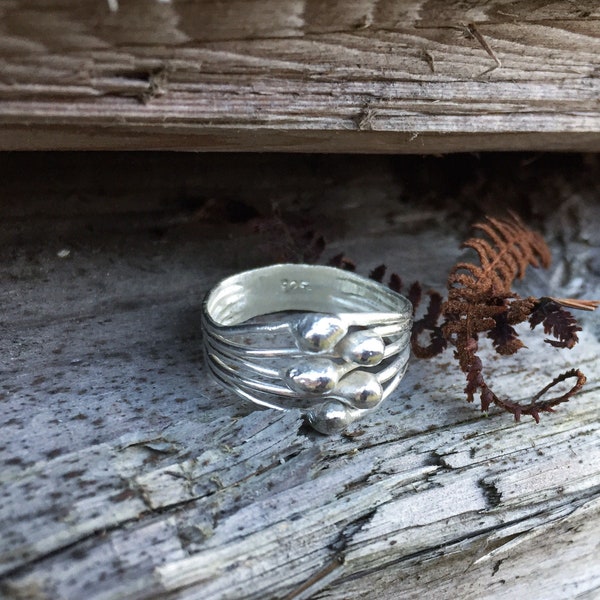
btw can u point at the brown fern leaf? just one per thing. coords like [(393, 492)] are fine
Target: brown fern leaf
[(429, 322), (341, 261), (504, 253), (556, 321), (480, 299), (395, 283), (378, 273), (536, 406), (471, 365), (504, 336), (549, 404), (520, 309), (415, 293), (478, 294)]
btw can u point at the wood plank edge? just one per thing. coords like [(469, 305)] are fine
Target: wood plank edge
[(66, 137)]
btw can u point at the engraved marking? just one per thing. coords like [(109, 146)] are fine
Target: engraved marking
[(291, 285)]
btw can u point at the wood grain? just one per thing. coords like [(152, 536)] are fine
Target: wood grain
[(127, 474), (295, 75)]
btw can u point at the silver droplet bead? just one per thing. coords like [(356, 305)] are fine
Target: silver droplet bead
[(312, 376), (362, 347), (361, 389), (317, 332), (330, 417)]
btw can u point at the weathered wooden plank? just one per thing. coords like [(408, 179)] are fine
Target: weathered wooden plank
[(126, 474), (369, 76)]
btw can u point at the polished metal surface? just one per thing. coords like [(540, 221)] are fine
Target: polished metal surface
[(327, 341)]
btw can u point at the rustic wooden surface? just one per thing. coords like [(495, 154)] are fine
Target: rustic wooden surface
[(419, 76), (126, 474)]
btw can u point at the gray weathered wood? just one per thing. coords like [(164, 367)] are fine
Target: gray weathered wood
[(293, 75), (126, 474)]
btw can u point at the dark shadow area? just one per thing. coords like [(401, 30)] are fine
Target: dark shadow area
[(70, 197)]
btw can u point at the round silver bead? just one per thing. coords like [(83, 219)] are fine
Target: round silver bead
[(361, 389), (363, 348), (317, 332), (312, 376), (330, 417)]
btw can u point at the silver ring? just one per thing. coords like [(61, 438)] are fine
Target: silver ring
[(327, 341)]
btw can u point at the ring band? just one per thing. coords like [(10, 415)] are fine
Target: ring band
[(329, 342)]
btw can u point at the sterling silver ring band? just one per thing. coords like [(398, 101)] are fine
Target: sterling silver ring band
[(326, 341)]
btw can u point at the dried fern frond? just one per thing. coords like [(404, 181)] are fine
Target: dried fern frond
[(341, 261), (480, 299), (506, 250), (437, 341), (556, 321)]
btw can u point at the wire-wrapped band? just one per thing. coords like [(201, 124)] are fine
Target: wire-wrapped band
[(327, 341)]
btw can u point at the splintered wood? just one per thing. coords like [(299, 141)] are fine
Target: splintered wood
[(295, 75)]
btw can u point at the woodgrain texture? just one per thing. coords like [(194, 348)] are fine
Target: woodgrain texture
[(127, 474), (421, 76)]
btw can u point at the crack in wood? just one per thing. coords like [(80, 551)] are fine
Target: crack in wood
[(493, 496), (334, 569)]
